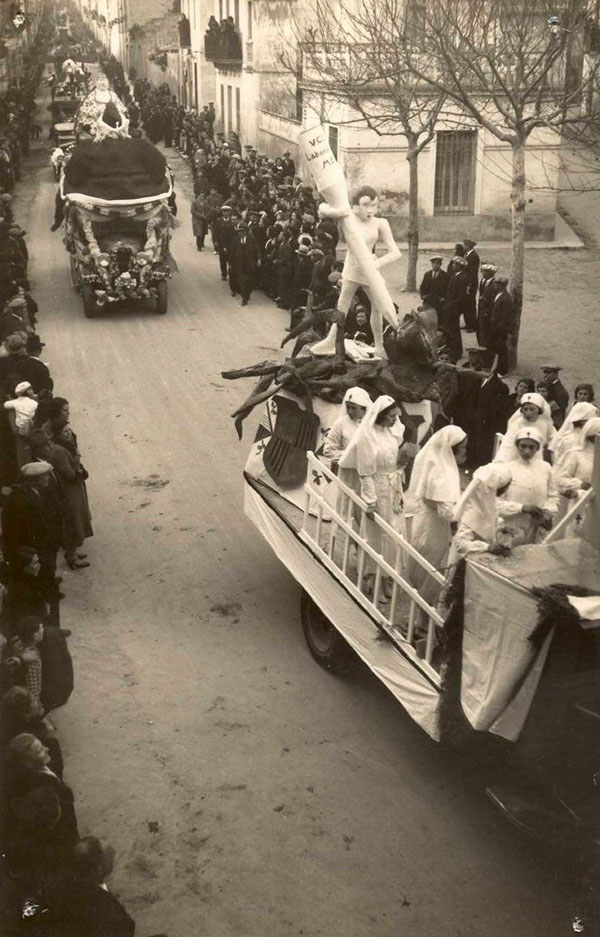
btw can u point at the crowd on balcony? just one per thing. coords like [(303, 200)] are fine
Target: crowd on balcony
[(222, 42)]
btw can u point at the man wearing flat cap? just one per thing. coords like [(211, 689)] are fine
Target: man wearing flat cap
[(472, 258), (224, 232), (434, 284), (557, 390), (23, 364)]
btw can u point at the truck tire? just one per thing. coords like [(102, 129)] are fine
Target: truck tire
[(75, 281), (89, 300), (325, 643), (162, 297)]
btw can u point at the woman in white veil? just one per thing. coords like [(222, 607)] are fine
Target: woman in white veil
[(373, 453), (435, 490), (533, 412)]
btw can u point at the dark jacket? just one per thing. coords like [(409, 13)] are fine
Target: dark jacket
[(224, 233), (458, 286), (78, 908), (433, 287), (560, 393), (244, 258), (28, 520), (501, 320), (27, 368), (472, 258)]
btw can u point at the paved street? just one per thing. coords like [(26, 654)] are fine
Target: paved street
[(247, 792)]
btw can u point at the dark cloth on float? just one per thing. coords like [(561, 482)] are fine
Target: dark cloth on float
[(116, 169)]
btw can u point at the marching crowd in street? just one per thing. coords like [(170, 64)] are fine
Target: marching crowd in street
[(51, 878)]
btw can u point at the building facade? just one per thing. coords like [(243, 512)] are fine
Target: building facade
[(257, 78)]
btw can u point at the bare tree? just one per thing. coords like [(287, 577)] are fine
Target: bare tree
[(514, 68), (355, 56)]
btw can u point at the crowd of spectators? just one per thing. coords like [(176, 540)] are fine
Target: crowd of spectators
[(51, 878)]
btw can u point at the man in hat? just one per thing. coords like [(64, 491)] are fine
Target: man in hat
[(14, 318), (502, 317), (284, 265), (454, 306), (557, 390), (223, 233), (288, 165), (470, 309), (244, 261), (487, 291), (21, 361), (434, 284), (30, 519), (481, 405)]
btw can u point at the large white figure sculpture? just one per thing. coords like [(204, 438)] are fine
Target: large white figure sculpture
[(363, 232)]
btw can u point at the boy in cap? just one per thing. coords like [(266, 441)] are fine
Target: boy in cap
[(23, 406)]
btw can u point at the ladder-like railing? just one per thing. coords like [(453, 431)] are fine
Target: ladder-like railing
[(557, 533), (342, 526)]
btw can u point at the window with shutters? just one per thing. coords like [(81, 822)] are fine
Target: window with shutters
[(229, 107), (238, 110), (455, 172)]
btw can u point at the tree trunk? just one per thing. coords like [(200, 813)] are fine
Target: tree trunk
[(517, 272), (412, 235)]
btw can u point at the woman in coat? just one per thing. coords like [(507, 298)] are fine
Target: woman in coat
[(66, 461), (200, 212)]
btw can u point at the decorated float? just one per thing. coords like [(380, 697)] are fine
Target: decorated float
[(116, 192), (512, 653)]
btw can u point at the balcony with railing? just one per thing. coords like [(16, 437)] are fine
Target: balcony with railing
[(367, 68), (223, 47)]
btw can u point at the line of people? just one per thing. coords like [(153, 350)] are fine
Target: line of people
[(474, 292), (51, 878), (513, 499)]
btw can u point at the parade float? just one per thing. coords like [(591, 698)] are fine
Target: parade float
[(115, 190), (512, 654)]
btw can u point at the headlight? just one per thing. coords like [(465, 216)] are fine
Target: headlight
[(103, 260), (143, 258)]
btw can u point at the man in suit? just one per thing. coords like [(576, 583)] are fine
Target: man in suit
[(284, 269), (487, 291), (244, 259), (481, 406), (558, 391), (502, 316), (434, 284), (223, 232), (472, 258), (454, 307)]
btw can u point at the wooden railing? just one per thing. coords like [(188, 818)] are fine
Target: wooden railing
[(412, 629)]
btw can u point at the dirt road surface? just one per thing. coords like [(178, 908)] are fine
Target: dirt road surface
[(247, 792)]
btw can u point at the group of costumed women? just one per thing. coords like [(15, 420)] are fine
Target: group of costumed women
[(513, 500)]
